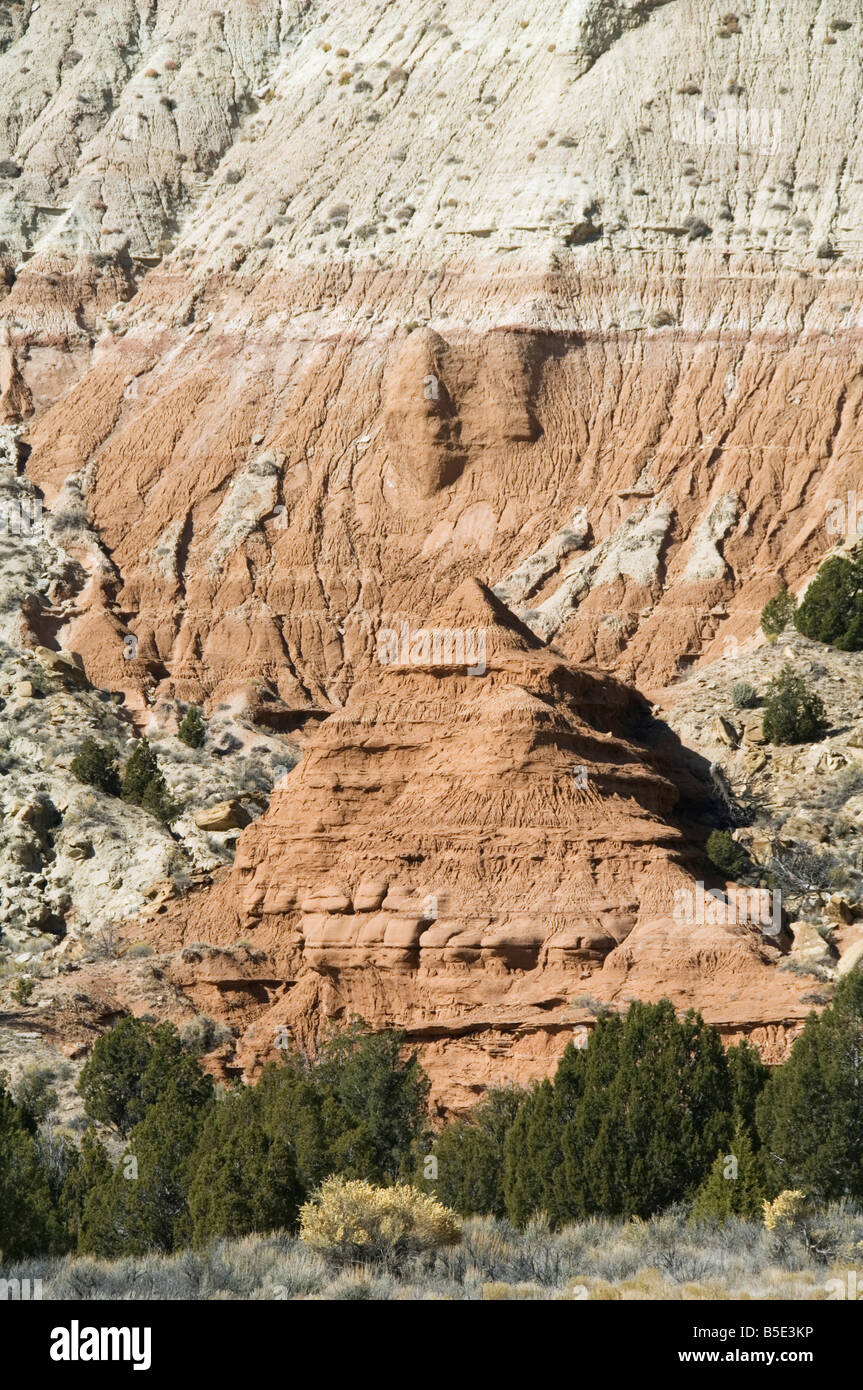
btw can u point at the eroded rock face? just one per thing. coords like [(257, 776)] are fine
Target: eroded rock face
[(308, 314), (327, 310), (477, 858)]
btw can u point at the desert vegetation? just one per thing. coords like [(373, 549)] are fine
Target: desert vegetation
[(329, 1166)]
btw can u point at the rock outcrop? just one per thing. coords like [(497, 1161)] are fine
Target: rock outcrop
[(309, 315), (480, 859)]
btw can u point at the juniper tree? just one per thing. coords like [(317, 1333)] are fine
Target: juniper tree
[(792, 712), (832, 608), (193, 729), (96, 765), (735, 1184), (810, 1113), (28, 1222), (470, 1155), (241, 1178)]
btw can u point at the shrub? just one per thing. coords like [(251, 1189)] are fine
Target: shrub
[(96, 765), (35, 1094), (792, 712), (22, 990), (193, 730), (744, 695), (126, 1071), (777, 614), (630, 1124), (243, 1177), (786, 1211), (725, 854), (832, 608), (145, 786), (139, 771), (354, 1221), (157, 800)]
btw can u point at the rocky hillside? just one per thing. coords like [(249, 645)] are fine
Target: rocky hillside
[(327, 310), (309, 318)]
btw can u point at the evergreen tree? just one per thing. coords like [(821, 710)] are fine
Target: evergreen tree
[(28, 1222), (810, 1113), (242, 1178), (140, 770), (470, 1155), (531, 1156), (158, 802), (193, 730), (84, 1201), (359, 1109), (630, 1125), (96, 765), (293, 1103), (147, 1195), (144, 784), (832, 608), (127, 1071), (792, 712), (383, 1100), (725, 854), (777, 614), (735, 1184), (748, 1078)]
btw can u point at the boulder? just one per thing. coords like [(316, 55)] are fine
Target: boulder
[(725, 732), (225, 815)]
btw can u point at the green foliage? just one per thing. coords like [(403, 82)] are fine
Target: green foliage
[(22, 990), (470, 1155), (148, 1194), (358, 1110), (96, 765), (744, 695), (84, 1201), (140, 770), (195, 1169), (832, 607), (777, 614), (145, 786), (157, 800), (193, 729), (734, 1186), (725, 854), (127, 1070), (810, 1116), (748, 1076), (28, 1221), (792, 712), (630, 1125), (35, 1094), (244, 1175)]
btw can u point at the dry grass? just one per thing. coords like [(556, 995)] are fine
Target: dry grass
[(666, 1258)]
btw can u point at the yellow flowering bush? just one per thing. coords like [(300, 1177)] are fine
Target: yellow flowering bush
[(354, 1220), (787, 1210)]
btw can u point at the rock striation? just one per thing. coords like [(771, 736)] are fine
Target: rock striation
[(481, 859)]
